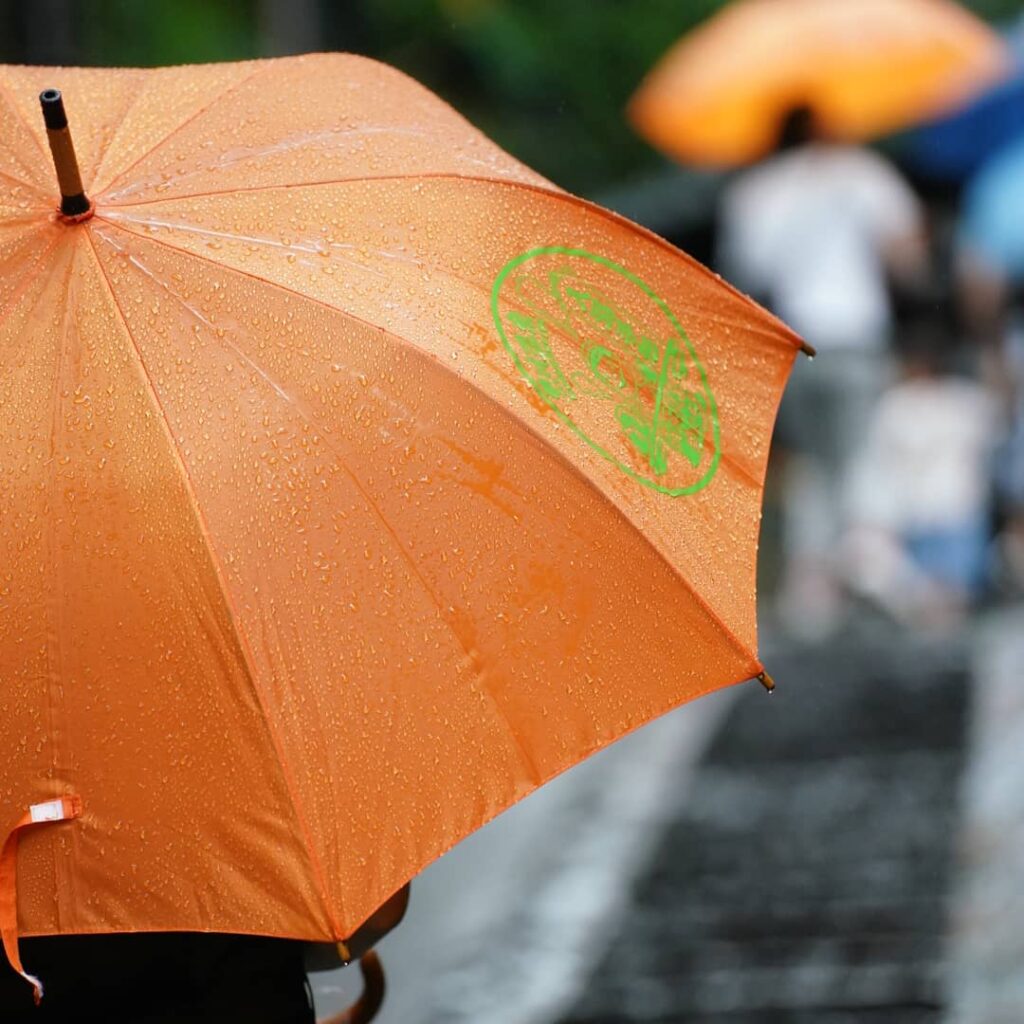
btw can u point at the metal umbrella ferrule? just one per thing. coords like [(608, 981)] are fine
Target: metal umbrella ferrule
[(74, 204)]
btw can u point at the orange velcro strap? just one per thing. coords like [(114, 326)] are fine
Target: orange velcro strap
[(61, 809)]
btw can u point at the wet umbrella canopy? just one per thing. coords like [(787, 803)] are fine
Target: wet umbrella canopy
[(354, 481)]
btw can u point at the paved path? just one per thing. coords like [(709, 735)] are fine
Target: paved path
[(986, 982), (806, 880), (850, 850), (506, 927)]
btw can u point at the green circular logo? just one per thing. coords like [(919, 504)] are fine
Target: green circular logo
[(612, 361)]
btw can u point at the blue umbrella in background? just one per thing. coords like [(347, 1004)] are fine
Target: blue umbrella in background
[(954, 147), (992, 233), (992, 219)]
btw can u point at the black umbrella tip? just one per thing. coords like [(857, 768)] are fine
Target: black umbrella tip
[(53, 109)]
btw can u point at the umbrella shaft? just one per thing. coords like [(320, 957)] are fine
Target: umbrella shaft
[(73, 201)]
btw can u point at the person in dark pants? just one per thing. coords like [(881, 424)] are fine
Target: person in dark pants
[(159, 978), (190, 977)]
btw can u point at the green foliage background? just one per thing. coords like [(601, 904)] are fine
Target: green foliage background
[(548, 79)]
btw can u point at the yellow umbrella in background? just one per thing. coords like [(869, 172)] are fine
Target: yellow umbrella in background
[(864, 68)]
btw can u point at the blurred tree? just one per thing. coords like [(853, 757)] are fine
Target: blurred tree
[(548, 81), (996, 10), (49, 31), (290, 26)]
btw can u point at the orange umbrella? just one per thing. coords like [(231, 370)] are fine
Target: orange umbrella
[(355, 482), (865, 68)]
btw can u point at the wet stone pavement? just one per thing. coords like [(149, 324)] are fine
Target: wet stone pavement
[(807, 877)]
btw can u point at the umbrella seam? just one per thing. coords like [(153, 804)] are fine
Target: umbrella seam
[(602, 744), (442, 848), (242, 639), (5, 91), (178, 127), (354, 179), (729, 635), (785, 332), (94, 172), (714, 318), (15, 180), (57, 717), (112, 208), (26, 281), (414, 565), (729, 460)]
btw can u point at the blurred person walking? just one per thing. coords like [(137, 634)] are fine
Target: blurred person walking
[(1009, 476), (818, 232), (994, 306), (990, 280), (919, 495), (821, 228)]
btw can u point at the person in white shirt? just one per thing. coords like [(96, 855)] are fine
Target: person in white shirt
[(919, 493), (817, 232)]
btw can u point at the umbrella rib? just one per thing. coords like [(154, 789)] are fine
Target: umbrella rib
[(240, 636), (27, 278), (737, 469), (351, 180), (549, 192), (725, 457), (546, 445), (23, 183), (95, 171), (57, 565), (5, 92), (403, 550), (183, 124)]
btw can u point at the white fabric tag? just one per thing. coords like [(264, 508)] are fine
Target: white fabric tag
[(52, 810)]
